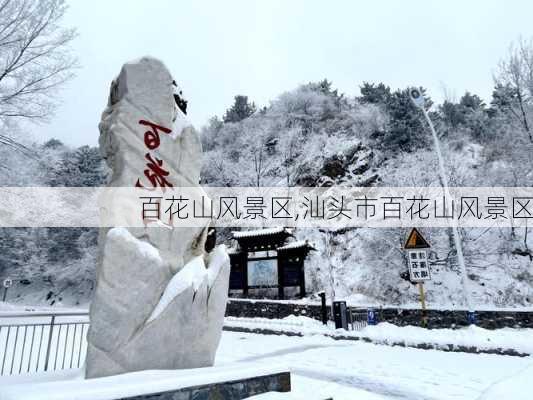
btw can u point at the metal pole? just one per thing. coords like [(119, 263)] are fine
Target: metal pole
[(423, 303), (5, 295), (324, 309), (49, 345), (455, 230)]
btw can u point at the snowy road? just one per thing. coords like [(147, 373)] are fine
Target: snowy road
[(322, 368)]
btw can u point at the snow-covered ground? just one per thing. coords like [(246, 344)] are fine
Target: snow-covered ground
[(322, 367), (520, 340)]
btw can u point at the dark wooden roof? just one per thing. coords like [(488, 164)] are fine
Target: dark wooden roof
[(262, 239)]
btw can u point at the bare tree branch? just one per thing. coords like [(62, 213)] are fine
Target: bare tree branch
[(35, 58), (516, 72)]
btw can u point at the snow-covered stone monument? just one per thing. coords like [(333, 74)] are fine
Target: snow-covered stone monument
[(160, 296)]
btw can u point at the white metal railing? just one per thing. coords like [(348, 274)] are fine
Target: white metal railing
[(36, 342)]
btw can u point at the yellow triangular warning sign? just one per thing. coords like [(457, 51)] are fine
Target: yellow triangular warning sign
[(415, 240)]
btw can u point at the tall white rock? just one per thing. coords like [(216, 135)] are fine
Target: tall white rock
[(160, 298)]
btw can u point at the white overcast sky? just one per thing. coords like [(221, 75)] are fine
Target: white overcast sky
[(217, 49)]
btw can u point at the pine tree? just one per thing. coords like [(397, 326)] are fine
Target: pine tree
[(82, 167), (405, 129), (240, 109)]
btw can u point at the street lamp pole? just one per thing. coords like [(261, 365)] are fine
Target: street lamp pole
[(419, 101)]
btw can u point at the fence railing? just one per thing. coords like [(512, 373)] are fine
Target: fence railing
[(36, 342), (357, 318)]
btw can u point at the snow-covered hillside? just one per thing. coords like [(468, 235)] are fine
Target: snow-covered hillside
[(314, 136)]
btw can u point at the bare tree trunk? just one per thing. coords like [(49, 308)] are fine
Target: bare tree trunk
[(526, 247), (331, 276), (524, 117)]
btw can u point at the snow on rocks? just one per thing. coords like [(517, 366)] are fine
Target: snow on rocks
[(191, 276), (194, 274), (144, 249), (180, 124)]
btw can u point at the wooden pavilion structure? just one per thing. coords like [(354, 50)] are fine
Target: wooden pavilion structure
[(268, 259)]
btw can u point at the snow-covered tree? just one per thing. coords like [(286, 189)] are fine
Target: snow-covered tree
[(35, 57), (514, 84), (242, 108)]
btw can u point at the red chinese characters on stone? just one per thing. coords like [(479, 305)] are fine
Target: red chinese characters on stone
[(154, 172), (151, 137)]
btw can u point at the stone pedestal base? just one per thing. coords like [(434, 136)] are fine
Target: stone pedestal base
[(231, 390), (232, 382)]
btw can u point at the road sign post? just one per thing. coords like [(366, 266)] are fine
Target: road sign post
[(417, 98), (6, 284), (417, 258), (423, 302)]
